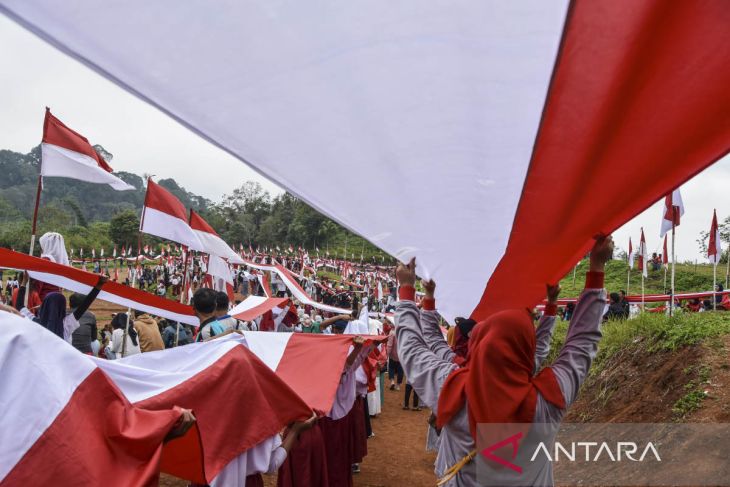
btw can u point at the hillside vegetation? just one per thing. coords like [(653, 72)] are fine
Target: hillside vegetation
[(95, 216)]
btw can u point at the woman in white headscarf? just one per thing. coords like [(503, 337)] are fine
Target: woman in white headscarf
[(53, 248)]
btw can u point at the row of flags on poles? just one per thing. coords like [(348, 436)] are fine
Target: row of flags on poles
[(671, 217)]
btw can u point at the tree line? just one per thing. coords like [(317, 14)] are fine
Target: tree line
[(96, 216)]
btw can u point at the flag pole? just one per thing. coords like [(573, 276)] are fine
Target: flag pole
[(714, 286), (671, 295), (134, 278), (727, 271), (665, 280), (575, 267), (642, 290), (184, 281), (32, 233)]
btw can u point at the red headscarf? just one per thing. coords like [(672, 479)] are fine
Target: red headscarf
[(497, 378)]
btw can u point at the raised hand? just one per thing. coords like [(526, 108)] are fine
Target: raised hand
[(601, 253), (406, 273)]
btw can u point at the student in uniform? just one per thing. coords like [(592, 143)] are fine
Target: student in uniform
[(498, 378)]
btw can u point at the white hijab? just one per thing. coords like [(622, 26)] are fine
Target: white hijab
[(53, 248)]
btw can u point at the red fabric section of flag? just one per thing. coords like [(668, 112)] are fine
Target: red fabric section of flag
[(665, 252), (123, 443), (197, 223), (216, 394), (57, 133), (162, 200), (317, 387), (606, 114), (262, 308)]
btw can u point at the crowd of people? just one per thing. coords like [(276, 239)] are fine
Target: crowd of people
[(466, 374)]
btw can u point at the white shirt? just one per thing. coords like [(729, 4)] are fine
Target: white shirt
[(116, 344)]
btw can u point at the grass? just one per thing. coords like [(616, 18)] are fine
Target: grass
[(692, 400), (688, 278), (658, 332)]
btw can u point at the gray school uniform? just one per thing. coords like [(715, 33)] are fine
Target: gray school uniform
[(427, 371)]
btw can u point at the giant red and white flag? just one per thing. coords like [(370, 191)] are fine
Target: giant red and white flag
[(714, 247), (211, 242), (216, 380), (165, 216), (552, 95), (643, 256), (288, 354), (49, 435), (73, 279), (294, 287), (68, 154), (672, 212), (254, 306)]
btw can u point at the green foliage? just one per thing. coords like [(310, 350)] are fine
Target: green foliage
[(692, 399), (124, 227), (249, 216), (688, 278), (688, 403), (658, 331)]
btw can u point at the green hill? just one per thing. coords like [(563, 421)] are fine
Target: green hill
[(688, 278)]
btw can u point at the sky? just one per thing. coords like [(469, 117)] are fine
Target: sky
[(146, 141)]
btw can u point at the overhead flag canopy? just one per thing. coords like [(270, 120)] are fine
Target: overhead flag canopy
[(66, 153), (467, 116)]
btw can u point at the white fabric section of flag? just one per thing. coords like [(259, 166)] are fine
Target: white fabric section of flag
[(214, 245), (386, 86), (667, 223), (145, 375), (218, 268), (29, 408), (268, 346), (61, 162), (156, 222)]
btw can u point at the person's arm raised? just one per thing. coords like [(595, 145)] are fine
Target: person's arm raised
[(581, 344), (546, 325), (79, 312), (425, 371), (430, 328)]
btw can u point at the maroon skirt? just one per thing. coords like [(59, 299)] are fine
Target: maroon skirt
[(306, 464), (336, 435), (358, 432)]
